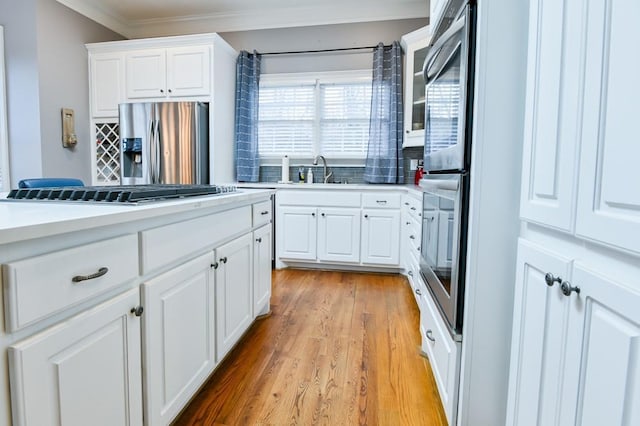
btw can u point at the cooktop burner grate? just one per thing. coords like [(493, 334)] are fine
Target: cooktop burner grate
[(118, 194)]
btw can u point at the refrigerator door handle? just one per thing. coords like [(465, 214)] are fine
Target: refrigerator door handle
[(151, 134), (155, 162)]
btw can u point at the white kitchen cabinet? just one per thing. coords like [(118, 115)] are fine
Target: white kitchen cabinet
[(574, 357), (234, 295), (608, 207), (380, 237), (297, 233), (170, 72), (539, 338), (552, 111), (87, 367), (107, 75), (262, 244), (339, 235), (415, 45), (179, 333)]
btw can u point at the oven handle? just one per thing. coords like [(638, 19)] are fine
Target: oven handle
[(436, 49), (440, 184)]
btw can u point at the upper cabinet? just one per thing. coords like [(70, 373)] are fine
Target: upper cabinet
[(171, 72), (608, 194), (415, 50), (436, 8), (106, 73), (582, 98)]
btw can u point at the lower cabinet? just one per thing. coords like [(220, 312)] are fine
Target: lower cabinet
[(339, 235), (85, 370), (234, 293), (262, 245), (381, 237), (179, 337), (297, 233), (574, 344)]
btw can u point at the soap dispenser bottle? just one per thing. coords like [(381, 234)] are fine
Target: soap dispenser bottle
[(310, 176)]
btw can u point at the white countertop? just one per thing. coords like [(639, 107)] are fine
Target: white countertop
[(35, 219), (331, 186)]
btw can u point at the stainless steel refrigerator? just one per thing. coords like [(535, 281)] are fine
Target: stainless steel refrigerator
[(164, 142)]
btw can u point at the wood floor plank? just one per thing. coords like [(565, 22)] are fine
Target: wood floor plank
[(339, 348)]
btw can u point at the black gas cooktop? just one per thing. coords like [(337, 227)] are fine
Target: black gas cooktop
[(131, 194)]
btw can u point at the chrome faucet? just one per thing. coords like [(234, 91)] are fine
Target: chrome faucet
[(324, 167)]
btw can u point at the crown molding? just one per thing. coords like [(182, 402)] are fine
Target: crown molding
[(320, 14)]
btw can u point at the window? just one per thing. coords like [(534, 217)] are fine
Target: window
[(305, 115)]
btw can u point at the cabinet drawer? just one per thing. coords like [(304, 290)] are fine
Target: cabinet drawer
[(314, 198), (381, 200), (441, 349), (166, 244), (262, 213), (412, 206), (40, 286)]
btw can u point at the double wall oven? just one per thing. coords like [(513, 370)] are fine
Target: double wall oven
[(448, 74)]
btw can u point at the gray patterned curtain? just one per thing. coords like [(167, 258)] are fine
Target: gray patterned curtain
[(246, 130), (384, 154)]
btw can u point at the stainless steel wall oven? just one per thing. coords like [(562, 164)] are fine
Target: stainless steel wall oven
[(448, 74)]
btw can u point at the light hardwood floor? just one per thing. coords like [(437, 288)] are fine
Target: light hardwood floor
[(339, 348)]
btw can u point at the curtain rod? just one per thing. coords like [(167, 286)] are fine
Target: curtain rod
[(302, 52)]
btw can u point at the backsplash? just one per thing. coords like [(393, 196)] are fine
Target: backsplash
[(340, 174)]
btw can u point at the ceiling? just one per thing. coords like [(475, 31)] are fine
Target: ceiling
[(150, 18)]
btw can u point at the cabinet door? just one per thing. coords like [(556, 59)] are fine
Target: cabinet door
[(179, 337), (609, 194), (538, 339), (189, 71), (106, 73), (296, 233), (262, 240), (416, 46), (146, 74), (602, 383), (339, 235), (83, 370), (234, 299), (381, 237), (553, 99)]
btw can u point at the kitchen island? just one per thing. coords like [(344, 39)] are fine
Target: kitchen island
[(112, 311)]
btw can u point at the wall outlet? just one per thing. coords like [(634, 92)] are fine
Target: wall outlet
[(413, 165)]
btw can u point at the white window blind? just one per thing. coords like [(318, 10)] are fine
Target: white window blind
[(444, 101), (327, 114), (344, 120)]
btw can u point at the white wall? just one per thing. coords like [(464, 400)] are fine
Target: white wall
[(321, 37), (46, 64)]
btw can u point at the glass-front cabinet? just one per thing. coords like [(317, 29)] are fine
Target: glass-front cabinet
[(415, 45)]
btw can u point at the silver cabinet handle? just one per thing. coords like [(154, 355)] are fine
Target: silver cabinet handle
[(381, 201), (169, 90), (412, 237), (161, 90), (418, 292), (137, 311), (413, 208), (550, 279), (215, 265), (406, 204), (567, 288), (366, 216), (322, 214), (408, 223), (264, 212), (79, 278), (429, 335), (313, 214), (223, 259), (259, 239), (410, 273)]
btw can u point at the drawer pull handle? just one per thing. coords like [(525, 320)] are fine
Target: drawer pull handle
[(410, 273), (79, 278), (322, 215), (215, 265), (366, 216), (137, 311), (412, 237), (381, 201), (567, 288), (313, 215), (223, 259), (259, 239), (406, 204), (430, 336), (264, 212), (408, 223), (418, 292), (413, 208), (550, 279)]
